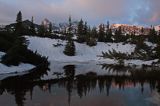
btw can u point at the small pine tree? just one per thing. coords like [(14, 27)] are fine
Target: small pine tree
[(42, 30), (94, 32), (80, 27), (69, 33), (85, 29), (142, 31), (152, 37), (118, 37), (32, 28), (69, 48), (50, 28), (81, 35), (108, 36), (158, 51), (19, 17), (70, 25), (108, 25), (19, 26), (90, 39), (101, 33)]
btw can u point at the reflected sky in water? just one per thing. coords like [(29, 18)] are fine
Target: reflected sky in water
[(83, 89)]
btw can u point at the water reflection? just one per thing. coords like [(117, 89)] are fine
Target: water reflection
[(82, 84)]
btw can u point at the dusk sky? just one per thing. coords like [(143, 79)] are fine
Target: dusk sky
[(142, 12)]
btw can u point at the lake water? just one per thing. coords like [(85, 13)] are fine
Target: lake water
[(82, 84)]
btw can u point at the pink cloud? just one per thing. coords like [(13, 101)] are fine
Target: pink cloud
[(94, 11)]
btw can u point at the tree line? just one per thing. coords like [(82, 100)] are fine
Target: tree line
[(87, 34)]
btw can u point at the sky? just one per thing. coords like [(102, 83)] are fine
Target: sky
[(137, 12)]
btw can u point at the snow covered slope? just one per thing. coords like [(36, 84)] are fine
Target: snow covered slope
[(45, 47), (1, 54), (13, 69)]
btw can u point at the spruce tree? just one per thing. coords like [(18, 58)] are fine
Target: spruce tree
[(70, 25), (42, 30), (19, 26), (50, 28), (85, 29), (152, 37), (80, 35), (108, 36), (101, 33), (32, 28), (80, 27), (19, 17), (94, 32), (118, 37), (90, 39), (142, 31), (70, 47), (108, 25), (69, 32), (158, 51)]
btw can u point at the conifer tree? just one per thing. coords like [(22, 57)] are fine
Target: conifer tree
[(101, 33), (158, 50), (42, 30), (50, 28), (19, 26), (32, 28), (142, 31), (70, 25), (85, 29), (108, 25), (81, 35), (19, 17), (90, 39), (94, 32), (108, 33), (118, 37), (70, 47), (80, 27), (152, 37)]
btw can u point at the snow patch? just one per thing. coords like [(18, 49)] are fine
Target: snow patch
[(1, 54), (53, 49), (45, 47), (15, 69), (140, 62), (150, 44)]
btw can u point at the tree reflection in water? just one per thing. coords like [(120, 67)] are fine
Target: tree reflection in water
[(83, 83)]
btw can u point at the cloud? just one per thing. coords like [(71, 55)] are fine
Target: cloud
[(145, 12)]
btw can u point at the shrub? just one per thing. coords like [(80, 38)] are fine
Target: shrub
[(91, 42)]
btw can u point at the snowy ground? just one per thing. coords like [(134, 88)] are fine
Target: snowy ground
[(12, 70), (47, 47), (44, 46), (15, 69), (1, 54)]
